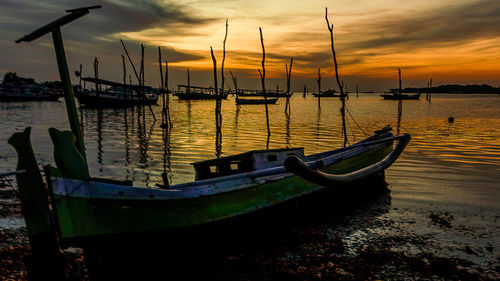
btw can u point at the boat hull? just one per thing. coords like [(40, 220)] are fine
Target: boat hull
[(256, 101), (327, 95), (199, 96), (89, 100), (83, 217), (269, 95)]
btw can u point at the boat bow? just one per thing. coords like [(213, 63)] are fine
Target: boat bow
[(309, 171)]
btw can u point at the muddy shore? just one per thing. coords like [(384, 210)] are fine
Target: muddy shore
[(365, 242)]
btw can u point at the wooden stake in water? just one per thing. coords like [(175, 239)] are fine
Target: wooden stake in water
[(342, 96), (263, 79), (318, 80), (430, 90), (124, 78), (223, 60)]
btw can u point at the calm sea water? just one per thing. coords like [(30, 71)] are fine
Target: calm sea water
[(122, 144), (447, 167)]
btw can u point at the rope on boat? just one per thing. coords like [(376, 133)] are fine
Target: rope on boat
[(352, 117)]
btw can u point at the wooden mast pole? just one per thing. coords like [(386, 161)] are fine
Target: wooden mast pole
[(69, 97)]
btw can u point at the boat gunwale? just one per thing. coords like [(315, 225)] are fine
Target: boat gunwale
[(208, 187)]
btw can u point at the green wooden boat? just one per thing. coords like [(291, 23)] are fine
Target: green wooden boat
[(84, 207), (224, 188)]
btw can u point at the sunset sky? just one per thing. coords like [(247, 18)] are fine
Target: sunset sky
[(450, 41)]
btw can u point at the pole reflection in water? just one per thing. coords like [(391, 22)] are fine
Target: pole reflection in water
[(188, 111), (167, 163), (288, 114), (400, 112), (236, 116), (127, 144), (143, 140), (318, 123), (99, 139), (218, 128)]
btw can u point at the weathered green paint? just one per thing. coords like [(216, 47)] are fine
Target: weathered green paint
[(69, 96), (68, 159), (84, 217), (37, 215), (31, 188)]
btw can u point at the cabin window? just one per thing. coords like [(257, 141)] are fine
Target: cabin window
[(272, 158), (214, 169), (235, 166)]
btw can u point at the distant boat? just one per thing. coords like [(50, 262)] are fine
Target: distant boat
[(256, 101), (15, 88), (259, 93), (187, 92), (116, 95), (328, 94), (400, 97)]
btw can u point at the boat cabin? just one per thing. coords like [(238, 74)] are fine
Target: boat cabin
[(245, 162)]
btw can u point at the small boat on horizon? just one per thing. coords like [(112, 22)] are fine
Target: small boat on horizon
[(116, 95), (328, 94), (188, 92), (395, 96), (259, 93), (240, 100)]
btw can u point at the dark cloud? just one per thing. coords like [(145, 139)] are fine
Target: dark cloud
[(445, 26), (91, 36)]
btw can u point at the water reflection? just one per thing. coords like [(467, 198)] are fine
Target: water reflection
[(218, 128), (288, 113), (400, 112), (128, 144), (99, 138)]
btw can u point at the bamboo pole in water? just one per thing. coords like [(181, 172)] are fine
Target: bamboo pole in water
[(235, 82), (168, 94), (223, 60), (163, 112), (430, 90), (263, 80), (124, 77), (342, 97), (288, 78), (318, 80), (400, 90), (189, 82), (96, 75), (215, 71)]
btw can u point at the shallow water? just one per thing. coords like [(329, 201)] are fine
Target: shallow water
[(447, 167)]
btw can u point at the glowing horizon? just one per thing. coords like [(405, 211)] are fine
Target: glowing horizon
[(449, 41)]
